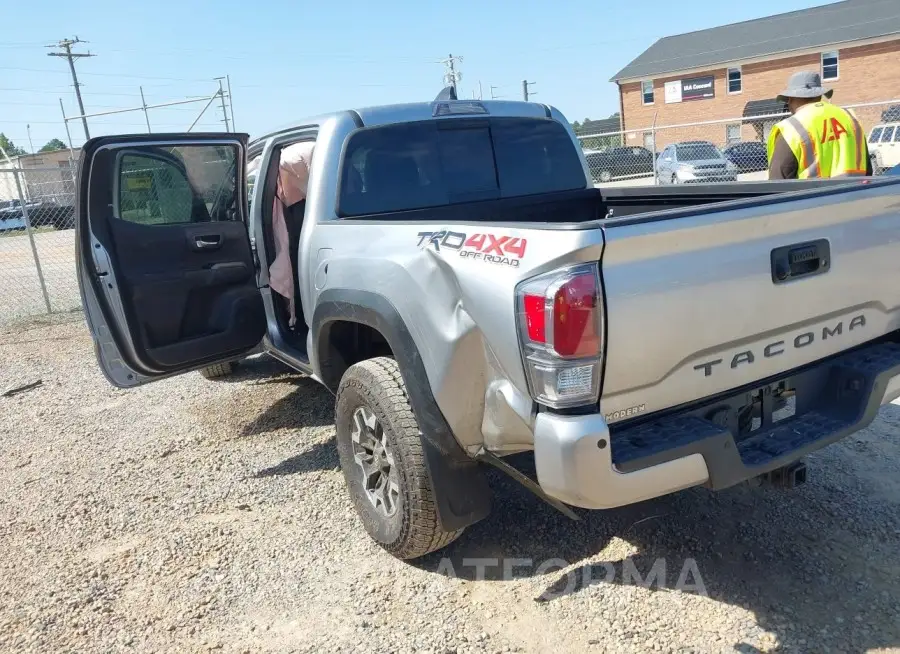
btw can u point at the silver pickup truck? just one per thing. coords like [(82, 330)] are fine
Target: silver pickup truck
[(467, 294)]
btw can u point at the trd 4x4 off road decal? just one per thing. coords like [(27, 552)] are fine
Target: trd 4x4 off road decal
[(503, 250)]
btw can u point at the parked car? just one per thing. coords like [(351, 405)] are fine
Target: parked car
[(12, 217), (694, 162), (749, 156), (445, 295), (632, 161), (41, 213), (884, 146), (893, 171)]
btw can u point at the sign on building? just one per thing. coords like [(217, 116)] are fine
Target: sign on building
[(698, 88), (673, 91), (685, 90)]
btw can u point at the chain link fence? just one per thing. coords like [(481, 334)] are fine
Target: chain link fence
[(37, 242), (721, 150)]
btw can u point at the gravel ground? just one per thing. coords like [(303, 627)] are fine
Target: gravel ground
[(192, 515), (22, 295)]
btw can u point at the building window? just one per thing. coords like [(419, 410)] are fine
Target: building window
[(647, 92), (732, 133), (830, 65), (735, 84)]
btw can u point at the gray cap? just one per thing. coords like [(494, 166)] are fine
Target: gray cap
[(805, 84)]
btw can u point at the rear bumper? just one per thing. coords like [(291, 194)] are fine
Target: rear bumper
[(582, 462), (574, 464)]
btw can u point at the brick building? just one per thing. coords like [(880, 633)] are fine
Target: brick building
[(733, 73)]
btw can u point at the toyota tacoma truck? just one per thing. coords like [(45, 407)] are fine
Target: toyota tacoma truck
[(467, 294)]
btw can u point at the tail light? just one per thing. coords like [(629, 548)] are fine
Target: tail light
[(560, 317)]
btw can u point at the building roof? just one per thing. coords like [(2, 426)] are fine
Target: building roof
[(851, 20)]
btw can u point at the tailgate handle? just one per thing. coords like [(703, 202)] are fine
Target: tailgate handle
[(791, 262)]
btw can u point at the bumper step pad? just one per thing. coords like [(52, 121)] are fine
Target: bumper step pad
[(833, 399)]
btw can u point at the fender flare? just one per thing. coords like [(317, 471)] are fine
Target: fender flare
[(460, 488)]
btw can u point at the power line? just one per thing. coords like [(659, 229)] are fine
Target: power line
[(66, 44), (58, 91)]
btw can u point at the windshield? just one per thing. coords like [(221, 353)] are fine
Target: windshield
[(698, 152)]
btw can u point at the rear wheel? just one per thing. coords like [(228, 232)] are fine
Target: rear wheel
[(380, 450), (218, 370)]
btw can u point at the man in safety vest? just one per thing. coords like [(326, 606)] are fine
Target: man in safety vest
[(819, 139)]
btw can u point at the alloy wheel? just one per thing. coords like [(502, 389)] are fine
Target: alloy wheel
[(375, 459)]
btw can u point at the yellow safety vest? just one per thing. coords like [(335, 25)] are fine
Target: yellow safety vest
[(827, 140)]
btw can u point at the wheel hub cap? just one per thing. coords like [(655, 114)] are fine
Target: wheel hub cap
[(376, 462)]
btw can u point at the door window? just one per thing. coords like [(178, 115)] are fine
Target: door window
[(888, 134), (177, 185), (875, 135), (252, 175)]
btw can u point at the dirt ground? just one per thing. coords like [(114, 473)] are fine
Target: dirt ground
[(191, 515)]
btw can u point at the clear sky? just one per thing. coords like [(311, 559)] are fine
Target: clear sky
[(289, 59)]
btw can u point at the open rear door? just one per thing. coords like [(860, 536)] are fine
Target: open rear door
[(165, 268)]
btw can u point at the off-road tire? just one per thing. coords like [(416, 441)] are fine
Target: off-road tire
[(218, 370), (413, 530)]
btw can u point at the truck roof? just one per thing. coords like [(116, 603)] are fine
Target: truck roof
[(416, 111)]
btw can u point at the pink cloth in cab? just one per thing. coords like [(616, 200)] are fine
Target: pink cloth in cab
[(293, 180)]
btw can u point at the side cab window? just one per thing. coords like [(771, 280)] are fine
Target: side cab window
[(252, 176), (174, 186)]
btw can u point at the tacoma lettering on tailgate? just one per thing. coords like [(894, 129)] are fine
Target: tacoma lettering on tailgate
[(775, 348)]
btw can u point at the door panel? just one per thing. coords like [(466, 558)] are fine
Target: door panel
[(165, 252)]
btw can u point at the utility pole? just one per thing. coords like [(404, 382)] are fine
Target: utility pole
[(30, 144), (222, 98), (452, 76), (144, 107), (230, 100), (494, 96), (480, 96), (525, 90), (66, 45)]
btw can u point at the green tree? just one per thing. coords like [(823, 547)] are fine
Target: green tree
[(53, 145), (9, 147), (603, 126)]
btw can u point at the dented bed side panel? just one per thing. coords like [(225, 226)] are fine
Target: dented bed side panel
[(458, 302)]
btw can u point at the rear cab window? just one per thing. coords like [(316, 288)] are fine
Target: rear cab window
[(437, 163)]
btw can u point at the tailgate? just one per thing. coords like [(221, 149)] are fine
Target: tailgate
[(706, 300)]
